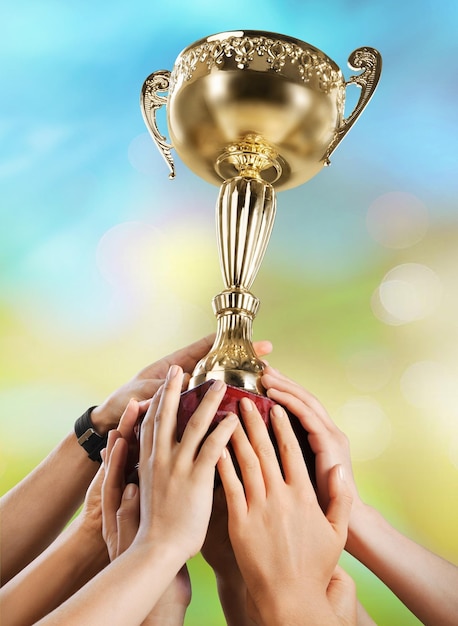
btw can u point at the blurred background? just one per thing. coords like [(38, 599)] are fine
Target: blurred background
[(106, 265)]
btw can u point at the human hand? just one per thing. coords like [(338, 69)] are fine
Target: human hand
[(341, 594), (91, 513), (286, 547), (146, 382), (176, 478), (330, 445), (121, 518)]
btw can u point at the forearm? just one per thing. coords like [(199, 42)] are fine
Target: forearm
[(424, 582), (124, 593), (77, 555), (35, 511), (166, 615), (232, 593)]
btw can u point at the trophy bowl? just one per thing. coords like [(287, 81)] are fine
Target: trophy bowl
[(271, 95), (237, 87), (255, 113)]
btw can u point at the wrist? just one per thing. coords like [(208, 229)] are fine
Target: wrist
[(160, 550), (88, 437), (305, 606), (362, 522), (103, 420)]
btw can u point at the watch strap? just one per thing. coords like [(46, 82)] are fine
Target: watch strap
[(88, 437)]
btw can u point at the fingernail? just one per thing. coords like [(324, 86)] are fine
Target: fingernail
[(224, 453), (231, 417), (130, 491), (217, 385), (278, 412), (246, 404), (173, 371)]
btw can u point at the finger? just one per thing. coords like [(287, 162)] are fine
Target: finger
[(147, 427), (129, 419), (233, 488), (250, 468), (272, 378), (262, 348), (186, 357), (113, 436), (112, 488), (261, 444), (308, 418), (215, 444), (186, 379), (292, 460), (340, 502), (199, 422), (165, 419), (128, 517)]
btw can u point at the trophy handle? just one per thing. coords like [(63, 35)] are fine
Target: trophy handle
[(370, 60), (150, 102)]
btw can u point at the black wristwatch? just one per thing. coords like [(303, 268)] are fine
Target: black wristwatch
[(88, 437)]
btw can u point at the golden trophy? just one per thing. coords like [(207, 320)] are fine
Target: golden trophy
[(252, 112)]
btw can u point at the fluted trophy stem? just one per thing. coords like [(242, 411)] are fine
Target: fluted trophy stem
[(245, 216)]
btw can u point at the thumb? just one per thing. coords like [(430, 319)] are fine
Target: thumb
[(340, 501), (128, 517)]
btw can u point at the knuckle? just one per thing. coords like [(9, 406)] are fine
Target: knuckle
[(194, 423), (264, 450), (290, 448)]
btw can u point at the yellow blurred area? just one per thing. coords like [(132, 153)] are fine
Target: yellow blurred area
[(391, 388)]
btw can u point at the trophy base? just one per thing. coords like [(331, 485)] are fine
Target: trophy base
[(190, 400)]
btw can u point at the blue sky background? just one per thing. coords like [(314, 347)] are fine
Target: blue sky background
[(105, 264)]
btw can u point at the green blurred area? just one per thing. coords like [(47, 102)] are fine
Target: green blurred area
[(314, 328)]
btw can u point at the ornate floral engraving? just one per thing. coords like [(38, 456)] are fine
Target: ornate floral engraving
[(151, 101), (310, 62)]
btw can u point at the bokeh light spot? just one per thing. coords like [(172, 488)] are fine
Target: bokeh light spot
[(397, 220), (366, 425), (129, 256), (407, 293), (430, 385)]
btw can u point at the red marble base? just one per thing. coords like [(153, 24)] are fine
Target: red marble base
[(190, 401)]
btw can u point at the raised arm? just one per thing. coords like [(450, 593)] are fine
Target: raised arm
[(62, 478), (121, 519), (286, 547), (77, 554), (176, 490), (423, 581)]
